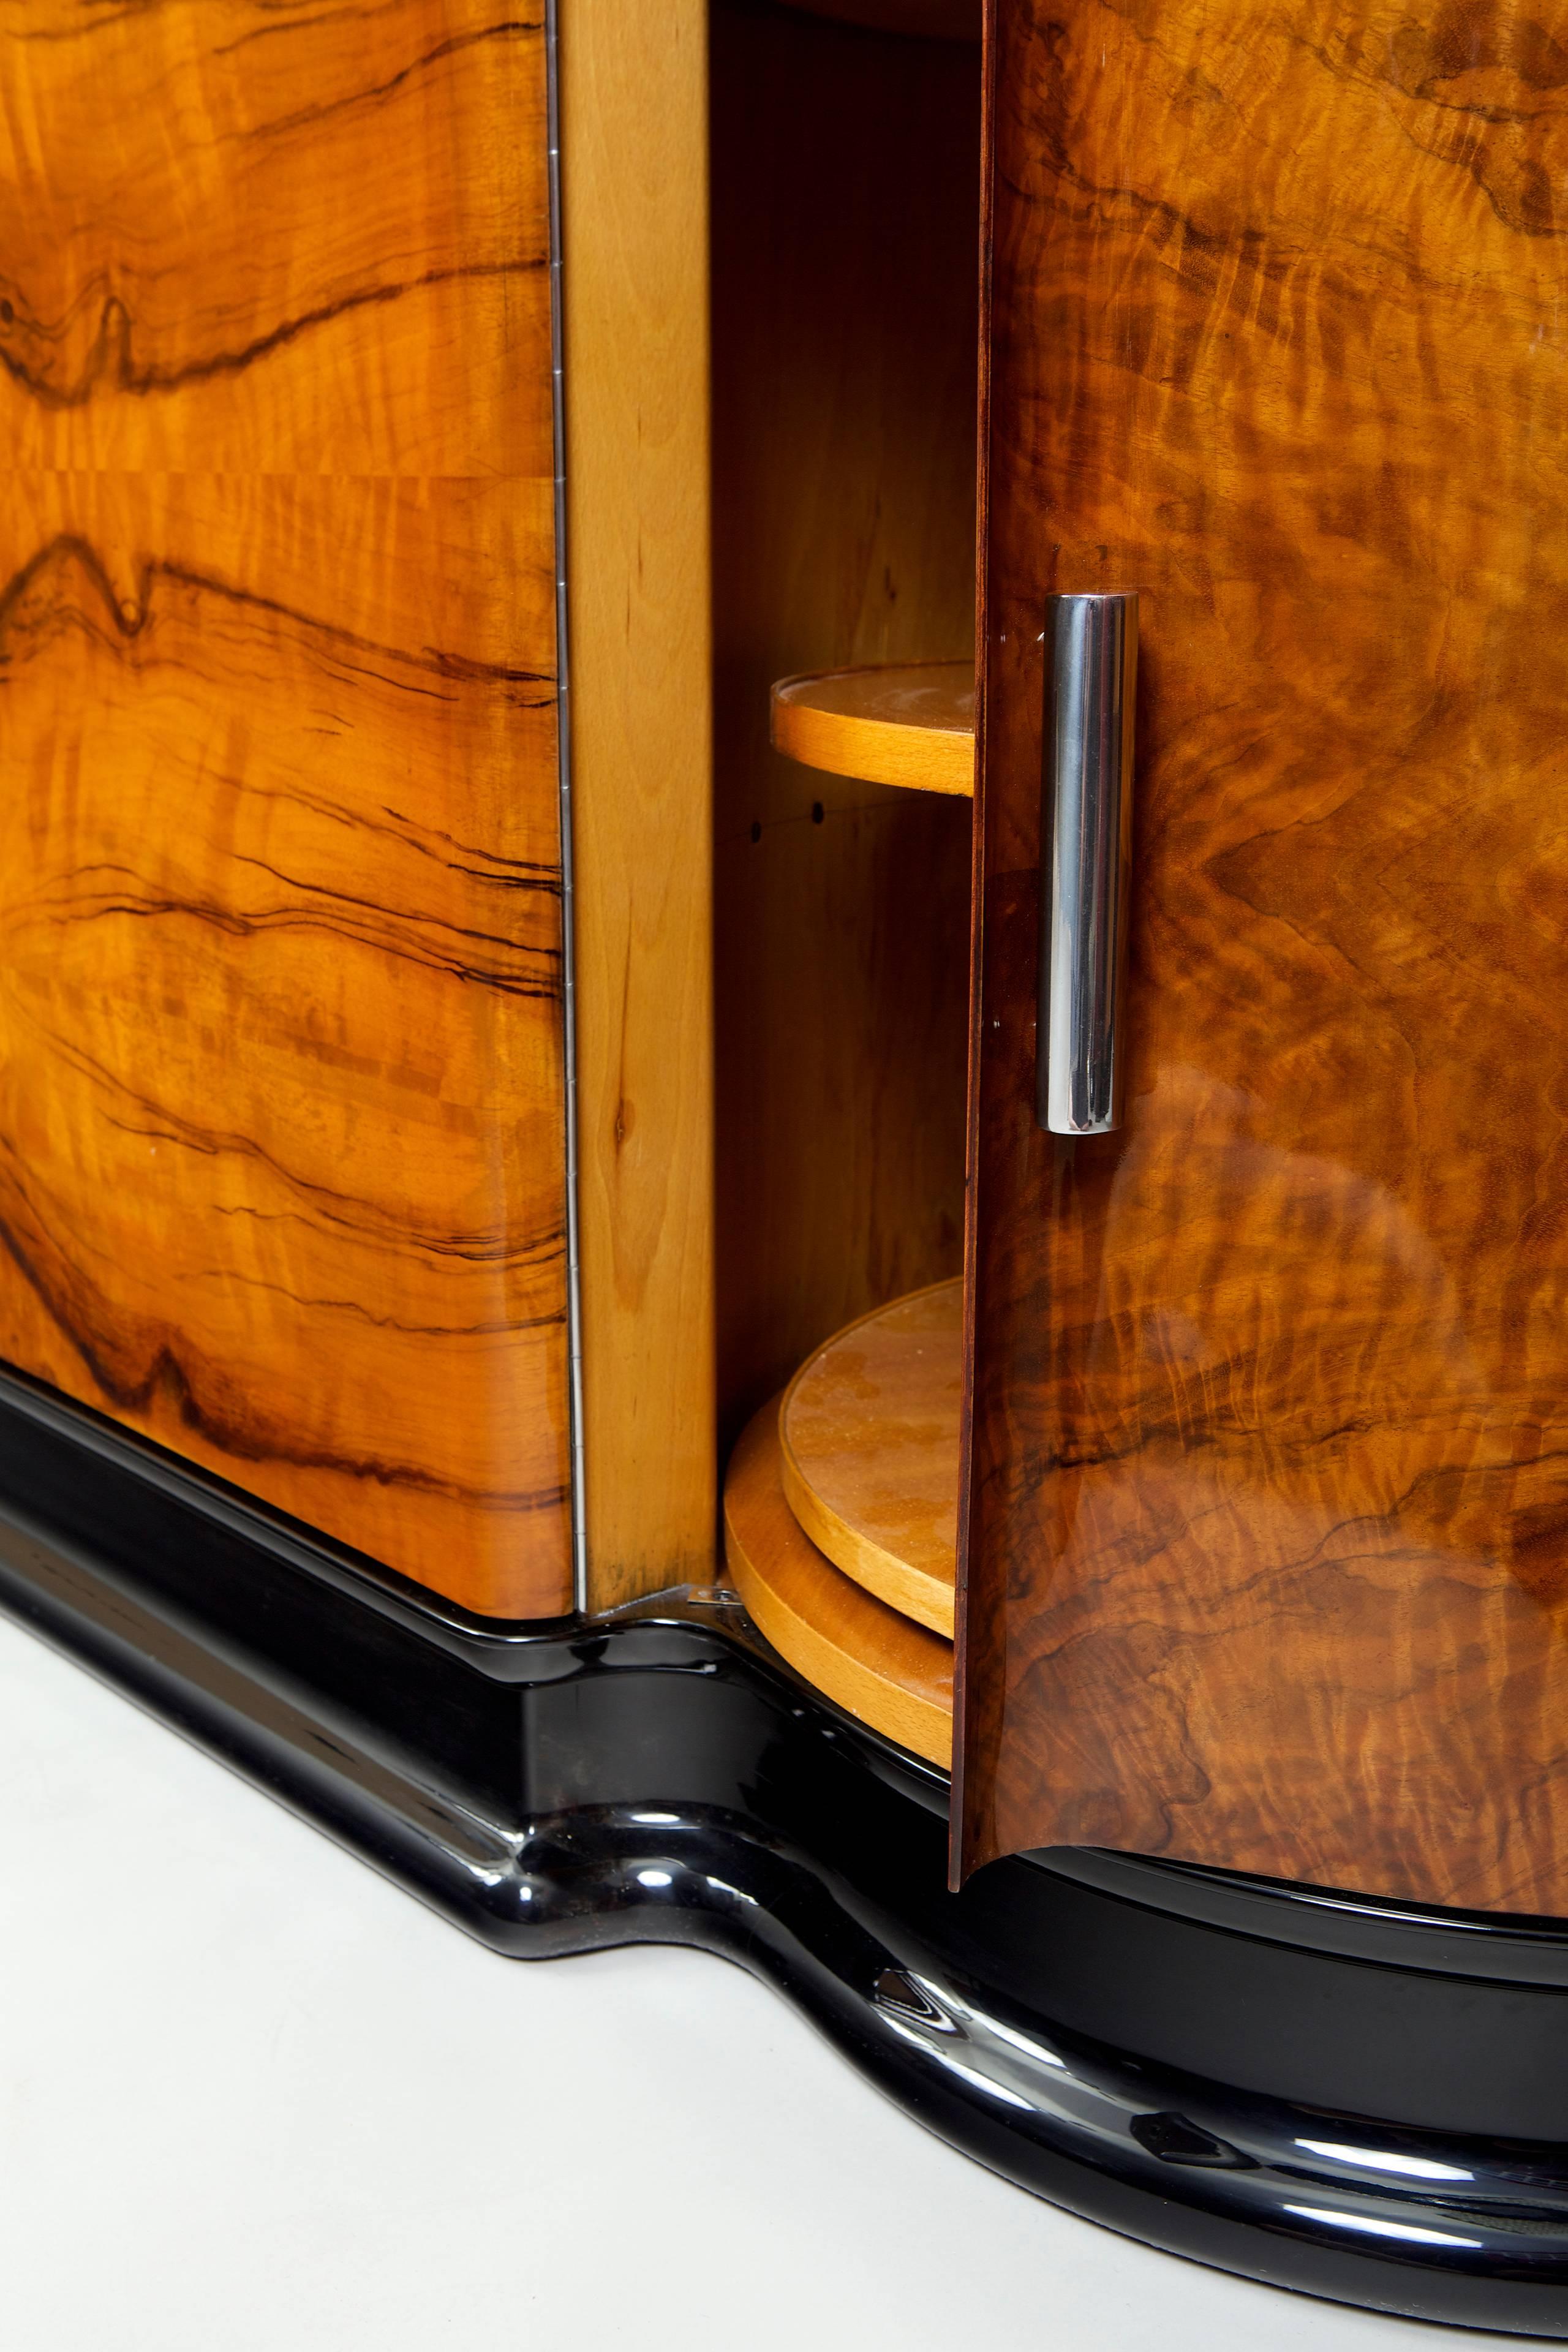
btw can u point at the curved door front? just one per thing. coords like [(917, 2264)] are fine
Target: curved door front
[(1267, 1514)]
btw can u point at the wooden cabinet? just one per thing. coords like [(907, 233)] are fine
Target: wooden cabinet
[(314, 1171), (512, 851)]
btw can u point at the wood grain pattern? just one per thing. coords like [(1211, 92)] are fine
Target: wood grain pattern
[(909, 723), (876, 1664), (845, 185), (869, 1438), (281, 1136), (634, 110), (1267, 1550)]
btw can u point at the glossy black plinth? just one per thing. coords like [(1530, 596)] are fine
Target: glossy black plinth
[(1355, 2099)]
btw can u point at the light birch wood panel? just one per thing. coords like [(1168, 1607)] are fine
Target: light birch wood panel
[(634, 104)]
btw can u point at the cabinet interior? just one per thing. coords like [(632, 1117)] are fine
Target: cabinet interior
[(844, 196), (845, 261)]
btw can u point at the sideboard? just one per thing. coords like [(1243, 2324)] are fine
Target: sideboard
[(781, 1155)]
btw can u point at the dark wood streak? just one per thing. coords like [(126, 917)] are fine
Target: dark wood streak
[(133, 12), (397, 928), (375, 93), (207, 1405), (1268, 1521), (109, 367), (281, 1094), (68, 546), (293, 25)]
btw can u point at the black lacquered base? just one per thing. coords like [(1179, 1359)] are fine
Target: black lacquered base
[(1359, 2100)]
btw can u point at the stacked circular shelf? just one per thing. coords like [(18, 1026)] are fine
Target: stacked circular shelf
[(841, 1501)]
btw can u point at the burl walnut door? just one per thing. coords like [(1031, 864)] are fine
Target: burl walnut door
[(1268, 1515), (281, 1096)]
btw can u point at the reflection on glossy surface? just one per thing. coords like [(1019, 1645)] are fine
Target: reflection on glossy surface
[(1414, 2167), (1086, 816), (1208, 2063), (1269, 1557)]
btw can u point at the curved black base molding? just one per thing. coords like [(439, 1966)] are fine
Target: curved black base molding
[(1355, 2099)]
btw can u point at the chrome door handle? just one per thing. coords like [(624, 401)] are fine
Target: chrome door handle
[(1086, 828)]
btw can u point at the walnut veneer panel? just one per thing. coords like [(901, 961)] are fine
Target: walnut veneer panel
[(1268, 1554), (282, 1156)]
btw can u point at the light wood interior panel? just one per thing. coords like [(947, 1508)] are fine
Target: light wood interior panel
[(282, 1090), (633, 102), (845, 207)]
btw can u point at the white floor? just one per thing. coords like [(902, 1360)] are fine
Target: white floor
[(253, 2097)]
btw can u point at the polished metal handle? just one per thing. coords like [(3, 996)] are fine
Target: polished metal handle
[(1086, 826)]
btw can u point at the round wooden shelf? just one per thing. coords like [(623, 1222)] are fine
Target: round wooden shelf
[(873, 1663), (868, 1437), (912, 724)]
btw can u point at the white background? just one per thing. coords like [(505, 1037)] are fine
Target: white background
[(253, 2096)]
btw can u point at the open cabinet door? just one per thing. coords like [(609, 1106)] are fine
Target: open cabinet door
[(1267, 1519)]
